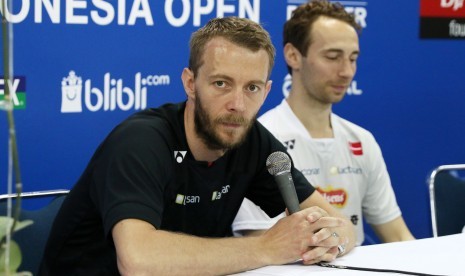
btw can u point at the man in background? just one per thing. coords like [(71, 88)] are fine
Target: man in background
[(338, 157)]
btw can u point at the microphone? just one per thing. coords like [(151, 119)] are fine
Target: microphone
[(279, 165)]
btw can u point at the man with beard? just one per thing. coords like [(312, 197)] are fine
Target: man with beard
[(159, 195), (340, 158)]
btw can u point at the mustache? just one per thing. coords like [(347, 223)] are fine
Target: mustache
[(231, 119)]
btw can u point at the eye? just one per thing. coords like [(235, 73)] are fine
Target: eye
[(332, 57), (353, 59), (220, 83), (254, 88)]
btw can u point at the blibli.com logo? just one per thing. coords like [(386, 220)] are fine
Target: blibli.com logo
[(78, 95), (353, 88), (17, 89)]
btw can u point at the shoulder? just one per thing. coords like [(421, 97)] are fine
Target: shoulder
[(166, 119), (350, 129), (147, 130)]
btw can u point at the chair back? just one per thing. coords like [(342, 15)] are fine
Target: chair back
[(32, 239), (447, 199)]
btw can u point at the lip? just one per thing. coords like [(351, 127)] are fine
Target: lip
[(340, 88), (231, 125)]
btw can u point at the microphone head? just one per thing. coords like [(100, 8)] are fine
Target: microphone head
[(278, 162)]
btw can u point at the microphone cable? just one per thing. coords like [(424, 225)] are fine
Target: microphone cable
[(324, 264)]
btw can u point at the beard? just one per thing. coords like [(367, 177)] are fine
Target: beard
[(206, 128)]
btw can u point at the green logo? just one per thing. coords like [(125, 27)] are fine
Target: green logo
[(17, 89)]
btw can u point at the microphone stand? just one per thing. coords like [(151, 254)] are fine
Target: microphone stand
[(13, 160)]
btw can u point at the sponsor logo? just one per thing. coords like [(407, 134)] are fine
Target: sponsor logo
[(356, 148), (17, 91), (310, 171), (240, 8), (454, 4), (179, 155), (456, 29), (185, 199), (287, 84), (77, 94), (336, 197), (100, 12), (289, 144), (128, 12), (357, 8), (351, 90), (354, 219), (345, 170), (442, 19), (217, 194)]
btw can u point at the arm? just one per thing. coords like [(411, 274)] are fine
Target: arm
[(141, 249), (392, 231)]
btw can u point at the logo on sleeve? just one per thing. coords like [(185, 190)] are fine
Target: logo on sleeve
[(179, 155), (356, 148), (289, 144)]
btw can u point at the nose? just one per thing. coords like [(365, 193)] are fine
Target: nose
[(237, 101), (348, 69)]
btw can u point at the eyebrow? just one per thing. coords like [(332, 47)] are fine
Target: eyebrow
[(226, 77), (339, 51)]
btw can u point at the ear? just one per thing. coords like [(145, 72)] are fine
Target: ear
[(292, 56), (188, 80)]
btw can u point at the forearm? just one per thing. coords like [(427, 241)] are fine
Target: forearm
[(393, 231), (180, 254), (160, 252)]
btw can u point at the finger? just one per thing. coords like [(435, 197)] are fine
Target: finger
[(314, 254), (314, 216), (329, 256), (326, 237), (327, 222)]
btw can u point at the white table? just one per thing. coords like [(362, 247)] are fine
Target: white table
[(440, 256)]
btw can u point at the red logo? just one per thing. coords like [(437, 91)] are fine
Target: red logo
[(336, 197), (442, 8), (356, 148)]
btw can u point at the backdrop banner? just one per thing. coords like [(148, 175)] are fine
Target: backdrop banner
[(83, 66)]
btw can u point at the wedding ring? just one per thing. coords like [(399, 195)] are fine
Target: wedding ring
[(341, 248)]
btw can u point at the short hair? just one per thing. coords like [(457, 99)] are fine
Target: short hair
[(298, 28), (241, 31)]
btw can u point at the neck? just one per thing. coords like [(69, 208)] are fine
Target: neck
[(314, 115), (197, 147)]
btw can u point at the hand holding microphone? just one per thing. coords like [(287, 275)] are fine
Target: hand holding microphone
[(313, 239)]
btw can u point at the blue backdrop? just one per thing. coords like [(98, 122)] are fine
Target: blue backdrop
[(81, 67)]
